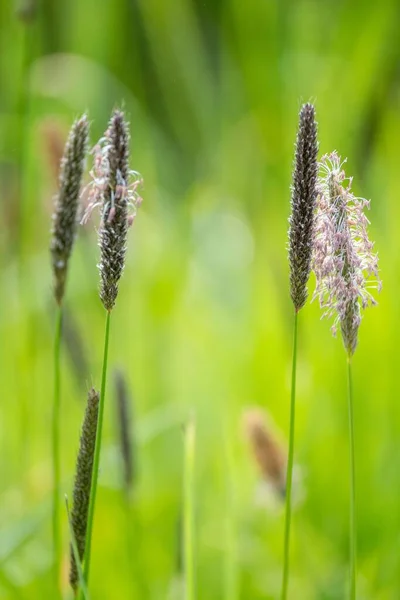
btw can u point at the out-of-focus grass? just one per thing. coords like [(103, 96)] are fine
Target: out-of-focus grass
[(203, 320)]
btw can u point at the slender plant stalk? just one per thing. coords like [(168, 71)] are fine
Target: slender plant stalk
[(289, 475), (353, 521), (96, 460), (56, 451), (189, 511)]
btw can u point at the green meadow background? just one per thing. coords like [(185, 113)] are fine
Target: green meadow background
[(203, 321)]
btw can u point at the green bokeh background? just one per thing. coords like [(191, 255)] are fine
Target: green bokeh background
[(203, 322)]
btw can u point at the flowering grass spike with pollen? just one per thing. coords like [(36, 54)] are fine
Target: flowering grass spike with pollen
[(114, 189), (344, 263), (346, 269)]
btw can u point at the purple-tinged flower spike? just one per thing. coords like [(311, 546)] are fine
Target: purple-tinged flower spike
[(67, 202), (344, 263), (114, 189), (304, 194)]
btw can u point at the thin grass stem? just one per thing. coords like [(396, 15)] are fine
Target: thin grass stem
[(353, 520), (56, 450), (289, 474), (96, 460), (189, 558)]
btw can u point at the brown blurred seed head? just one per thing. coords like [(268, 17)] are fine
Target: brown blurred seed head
[(304, 195), (67, 202), (267, 451), (83, 482)]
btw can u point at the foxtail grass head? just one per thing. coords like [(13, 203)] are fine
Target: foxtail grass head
[(304, 194), (345, 265), (67, 203), (83, 482), (114, 190), (123, 402)]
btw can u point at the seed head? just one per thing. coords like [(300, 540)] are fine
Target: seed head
[(66, 204), (114, 189), (301, 221), (83, 481), (344, 263), (267, 450), (125, 427)]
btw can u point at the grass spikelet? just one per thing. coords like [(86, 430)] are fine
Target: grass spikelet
[(83, 482), (67, 202), (304, 194), (346, 269), (345, 266), (301, 239), (62, 240), (114, 190)]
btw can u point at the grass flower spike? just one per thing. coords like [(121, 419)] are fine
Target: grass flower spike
[(83, 482), (301, 237), (346, 269), (304, 195), (114, 189), (62, 240), (344, 262), (67, 201)]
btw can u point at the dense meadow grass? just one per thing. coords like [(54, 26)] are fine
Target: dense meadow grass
[(203, 324)]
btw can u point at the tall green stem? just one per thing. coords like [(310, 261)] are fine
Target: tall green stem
[(188, 511), (289, 474), (96, 459), (353, 521), (56, 451)]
